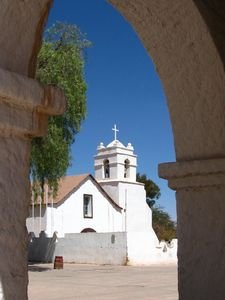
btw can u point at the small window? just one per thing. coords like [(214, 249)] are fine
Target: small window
[(88, 206), (126, 168), (106, 169)]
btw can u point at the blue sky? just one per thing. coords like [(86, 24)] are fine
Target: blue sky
[(123, 88)]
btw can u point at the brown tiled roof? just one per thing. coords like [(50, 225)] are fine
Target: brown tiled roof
[(69, 184)]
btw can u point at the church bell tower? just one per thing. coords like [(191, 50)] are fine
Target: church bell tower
[(115, 170), (115, 162)]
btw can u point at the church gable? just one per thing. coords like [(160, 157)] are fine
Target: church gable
[(70, 184), (88, 206)]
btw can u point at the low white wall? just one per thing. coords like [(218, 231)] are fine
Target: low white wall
[(144, 249), (92, 248), (116, 248), (166, 252)]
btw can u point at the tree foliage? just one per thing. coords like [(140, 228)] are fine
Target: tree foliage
[(60, 63), (151, 188), (162, 224)]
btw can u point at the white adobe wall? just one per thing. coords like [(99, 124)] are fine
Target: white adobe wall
[(132, 196), (33, 224), (166, 253), (139, 215), (141, 247), (142, 250), (111, 187), (142, 241), (55, 221)]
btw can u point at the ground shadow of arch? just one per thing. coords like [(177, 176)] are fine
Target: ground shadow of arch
[(34, 268)]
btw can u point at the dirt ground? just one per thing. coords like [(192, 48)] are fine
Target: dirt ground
[(102, 282)]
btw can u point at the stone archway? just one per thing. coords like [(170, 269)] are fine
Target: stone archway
[(186, 41)]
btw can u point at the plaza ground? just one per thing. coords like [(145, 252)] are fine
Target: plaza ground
[(102, 282)]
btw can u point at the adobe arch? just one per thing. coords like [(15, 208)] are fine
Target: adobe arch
[(186, 41)]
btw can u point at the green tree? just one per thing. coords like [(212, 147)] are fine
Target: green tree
[(164, 227), (151, 188), (60, 63)]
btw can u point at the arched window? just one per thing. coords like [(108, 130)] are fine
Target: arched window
[(106, 169), (126, 168)]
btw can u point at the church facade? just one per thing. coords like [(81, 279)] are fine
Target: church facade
[(80, 206), (110, 202)]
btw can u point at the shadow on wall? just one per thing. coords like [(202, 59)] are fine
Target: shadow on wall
[(42, 248)]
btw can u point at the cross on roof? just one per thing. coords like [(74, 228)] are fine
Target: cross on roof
[(115, 132)]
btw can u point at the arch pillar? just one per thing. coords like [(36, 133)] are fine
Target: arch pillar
[(24, 109), (200, 190)]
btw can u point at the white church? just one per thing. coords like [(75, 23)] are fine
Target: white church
[(89, 208)]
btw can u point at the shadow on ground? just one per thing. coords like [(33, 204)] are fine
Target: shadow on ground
[(35, 268)]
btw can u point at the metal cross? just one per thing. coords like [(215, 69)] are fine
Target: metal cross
[(115, 132)]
